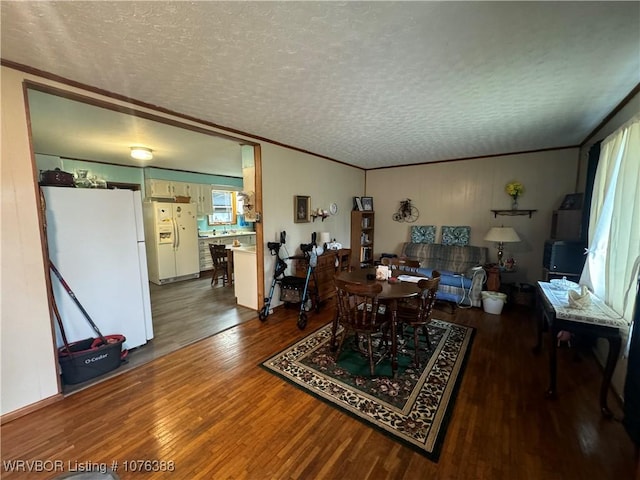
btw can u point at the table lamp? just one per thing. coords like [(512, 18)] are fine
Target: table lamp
[(325, 237), (501, 235)]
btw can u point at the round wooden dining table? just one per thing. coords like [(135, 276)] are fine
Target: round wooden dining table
[(390, 294)]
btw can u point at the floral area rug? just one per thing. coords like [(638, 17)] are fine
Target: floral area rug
[(413, 408)]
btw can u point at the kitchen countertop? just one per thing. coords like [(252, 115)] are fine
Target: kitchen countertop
[(225, 235), (245, 249)]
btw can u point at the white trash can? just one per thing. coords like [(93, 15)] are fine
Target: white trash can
[(492, 302)]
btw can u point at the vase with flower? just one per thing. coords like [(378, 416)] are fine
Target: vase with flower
[(514, 190)]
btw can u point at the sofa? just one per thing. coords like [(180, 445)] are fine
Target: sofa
[(461, 281)]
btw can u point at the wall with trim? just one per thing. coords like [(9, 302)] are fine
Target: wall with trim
[(30, 379), (464, 192)]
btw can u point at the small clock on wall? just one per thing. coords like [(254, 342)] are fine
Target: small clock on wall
[(333, 208)]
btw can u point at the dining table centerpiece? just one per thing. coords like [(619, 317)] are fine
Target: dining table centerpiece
[(514, 190)]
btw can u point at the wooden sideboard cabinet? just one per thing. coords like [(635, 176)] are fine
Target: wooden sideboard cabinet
[(329, 263)]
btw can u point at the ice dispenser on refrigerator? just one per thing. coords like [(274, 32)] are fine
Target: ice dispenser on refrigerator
[(173, 255)]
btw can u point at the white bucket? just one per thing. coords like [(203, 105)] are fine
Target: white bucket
[(492, 302)]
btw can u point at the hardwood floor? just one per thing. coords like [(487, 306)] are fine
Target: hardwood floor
[(211, 410), (183, 313)]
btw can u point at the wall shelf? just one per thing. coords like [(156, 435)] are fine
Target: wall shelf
[(512, 212)]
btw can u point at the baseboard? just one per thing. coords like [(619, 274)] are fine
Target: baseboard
[(21, 412)]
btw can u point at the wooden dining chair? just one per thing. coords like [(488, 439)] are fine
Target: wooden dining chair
[(361, 314), (219, 257), (416, 312), (344, 260), (403, 263)]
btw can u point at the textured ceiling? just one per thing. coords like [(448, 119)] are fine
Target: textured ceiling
[(371, 84)]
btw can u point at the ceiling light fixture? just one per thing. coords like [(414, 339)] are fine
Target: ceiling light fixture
[(141, 153)]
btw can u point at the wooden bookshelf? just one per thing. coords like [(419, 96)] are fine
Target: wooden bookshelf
[(362, 234)]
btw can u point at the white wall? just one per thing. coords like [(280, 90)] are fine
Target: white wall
[(28, 361), (28, 357), (454, 193), (464, 193), (286, 173)]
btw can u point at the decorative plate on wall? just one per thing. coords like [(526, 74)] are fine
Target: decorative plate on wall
[(333, 208)]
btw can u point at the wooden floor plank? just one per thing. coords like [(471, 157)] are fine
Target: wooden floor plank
[(213, 411), (183, 313)]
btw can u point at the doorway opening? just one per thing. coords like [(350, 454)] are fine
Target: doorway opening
[(205, 310)]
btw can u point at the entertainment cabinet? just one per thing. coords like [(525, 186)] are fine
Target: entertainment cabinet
[(566, 225), (564, 252)]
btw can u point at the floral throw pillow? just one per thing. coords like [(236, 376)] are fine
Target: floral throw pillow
[(423, 234), (455, 235)]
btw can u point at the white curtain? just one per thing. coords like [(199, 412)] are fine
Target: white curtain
[(613, 257)]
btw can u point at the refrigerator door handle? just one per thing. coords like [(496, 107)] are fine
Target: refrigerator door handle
[(177, 234), (173, 228)]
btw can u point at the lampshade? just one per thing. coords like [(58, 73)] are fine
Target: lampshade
[(502, 234), (141, 153), (325, 237)]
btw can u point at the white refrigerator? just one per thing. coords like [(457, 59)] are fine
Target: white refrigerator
[(96, 240), (172, 241)]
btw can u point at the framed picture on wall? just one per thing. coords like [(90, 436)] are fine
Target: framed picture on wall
[(367, 204), (572, 201), (301, 209)]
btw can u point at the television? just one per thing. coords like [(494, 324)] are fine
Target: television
[(564, 256)]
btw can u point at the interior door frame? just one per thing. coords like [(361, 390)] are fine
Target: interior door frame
[(206, 129)]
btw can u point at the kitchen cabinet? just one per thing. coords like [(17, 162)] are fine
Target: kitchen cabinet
[(202, 196), (181, 189), (200, 193), (159, 188), (206, 263), (245, 272), (167, 188)]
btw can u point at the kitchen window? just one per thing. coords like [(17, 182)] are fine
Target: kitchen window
[(224, 208)]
